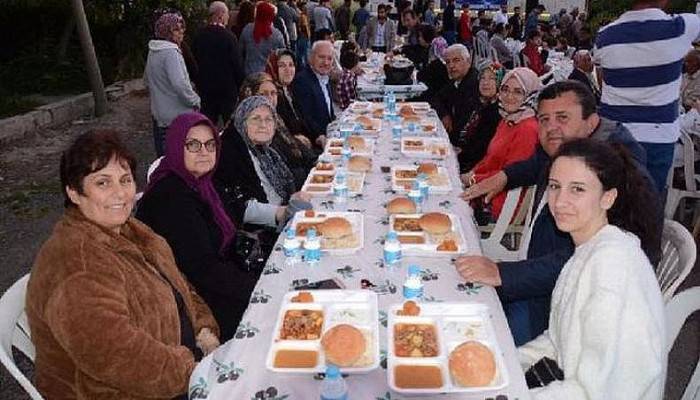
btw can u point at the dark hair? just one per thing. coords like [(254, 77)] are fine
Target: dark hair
[(533, 34), (636, 208), (500, 28), (363, 3), (91, 152), (551, 41), (349, 59), (427, 32), (541, 7), (583, 94), (349, 46), (409, 11), (381, 7), (562, 40), (323, 34)]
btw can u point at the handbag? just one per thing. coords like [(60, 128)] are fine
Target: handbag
[(248, 251), (542, 373)]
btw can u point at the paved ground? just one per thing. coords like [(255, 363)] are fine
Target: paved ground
[(31, 202)]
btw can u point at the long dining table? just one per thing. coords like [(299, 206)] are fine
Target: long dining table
[(237, 369)]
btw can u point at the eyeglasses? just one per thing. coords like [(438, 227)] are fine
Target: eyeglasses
[(269, 93), (259, 121), (517, 92), (195, 146)]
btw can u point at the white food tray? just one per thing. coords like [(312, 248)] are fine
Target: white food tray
[(356, 220), (455, 324), (429, 248), (354, 307), (397, 183), (355, 182), (429, 147), (419, 107), (334, 152)]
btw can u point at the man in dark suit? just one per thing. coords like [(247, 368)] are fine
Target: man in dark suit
[(216, 50), (583, 72), (456, 101), (312, 92)]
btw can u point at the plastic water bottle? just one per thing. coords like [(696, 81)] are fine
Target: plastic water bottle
[(345, 153), (312, 247), (396, 132), (291, 247), (412, 127), (345, 130), (416, 196), (392, 101), (423, 185), (340, 188), (392, 250), (413, 286), (333, 386)]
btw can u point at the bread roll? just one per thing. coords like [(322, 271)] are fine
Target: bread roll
[(472, 364)]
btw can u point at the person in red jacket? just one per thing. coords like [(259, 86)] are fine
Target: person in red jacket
[(465, 30), (532, 52), (516, 134)]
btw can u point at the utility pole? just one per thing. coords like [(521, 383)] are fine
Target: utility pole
[(93, 68)]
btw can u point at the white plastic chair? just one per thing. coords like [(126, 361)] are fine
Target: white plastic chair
[(509, 222), (677, 259), (14, 331), (677, 311), (675, 195)]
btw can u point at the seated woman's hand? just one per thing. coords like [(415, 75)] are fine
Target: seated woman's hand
[(478, 269), (467, 179), (301, 196), (207, 341)]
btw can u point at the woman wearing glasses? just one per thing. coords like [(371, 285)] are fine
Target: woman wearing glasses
[(516, 134), (181, 204)]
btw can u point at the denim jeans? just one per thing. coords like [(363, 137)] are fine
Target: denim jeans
[(659, 161), (159, 138)]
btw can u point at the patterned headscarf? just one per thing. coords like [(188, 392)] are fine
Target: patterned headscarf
[(437, 49), (264, 16), (165, 25), (271, 163), (174, 164), (271, 66), (495, 68), (531, 85)]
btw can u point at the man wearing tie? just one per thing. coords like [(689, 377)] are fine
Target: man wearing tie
[(312, 92)]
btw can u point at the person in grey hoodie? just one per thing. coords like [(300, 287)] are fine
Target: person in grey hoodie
[(166, 77)]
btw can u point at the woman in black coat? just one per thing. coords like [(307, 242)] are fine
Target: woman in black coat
[(181, 204)]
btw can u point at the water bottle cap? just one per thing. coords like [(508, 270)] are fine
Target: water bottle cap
[(414, 270), (311, 233), (332, 372), (391, 235)]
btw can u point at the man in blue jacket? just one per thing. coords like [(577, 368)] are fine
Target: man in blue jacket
[(311, 91), (566, 111)]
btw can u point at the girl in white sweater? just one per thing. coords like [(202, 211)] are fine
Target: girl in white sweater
[(606, 327)]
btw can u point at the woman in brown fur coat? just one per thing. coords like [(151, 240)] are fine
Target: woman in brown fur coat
[(110, 314)]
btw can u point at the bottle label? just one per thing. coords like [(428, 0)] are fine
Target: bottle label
[(410, 293), (392, 256), (290, 250), (343, 396)]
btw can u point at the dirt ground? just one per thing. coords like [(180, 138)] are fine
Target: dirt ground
[(31, 202)]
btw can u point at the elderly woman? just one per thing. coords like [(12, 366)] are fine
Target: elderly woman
[(181, 204), (606, 328), (476, 135), (434, 74), (516, 134), (259, 39), (253, 179), (166, 77), (296, 150), (110, 314), (281, 66)]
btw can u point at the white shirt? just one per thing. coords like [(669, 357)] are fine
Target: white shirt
[(606, 328), (323, 81), (500, 18)]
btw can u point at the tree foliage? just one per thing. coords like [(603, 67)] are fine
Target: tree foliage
[(601, 12)]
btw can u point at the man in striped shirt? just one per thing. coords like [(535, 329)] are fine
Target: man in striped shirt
[(641, 55)]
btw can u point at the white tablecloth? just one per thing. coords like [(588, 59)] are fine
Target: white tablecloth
[(236, 370)]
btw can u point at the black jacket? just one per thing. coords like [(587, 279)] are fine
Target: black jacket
[(176, 212), (448, 18), (291, 115), (219, 62), (310, 101), (435, 77), (475, 137), (458, 102)]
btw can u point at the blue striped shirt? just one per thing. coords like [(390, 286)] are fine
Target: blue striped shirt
[(641, 54)]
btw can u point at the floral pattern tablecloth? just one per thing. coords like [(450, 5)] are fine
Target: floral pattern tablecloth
[(236, 370)]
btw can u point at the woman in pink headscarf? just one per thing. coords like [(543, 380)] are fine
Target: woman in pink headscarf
[(516, 134), (260, 38)]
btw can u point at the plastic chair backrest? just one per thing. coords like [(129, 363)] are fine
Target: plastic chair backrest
[(14, 331), (677, 258), (513, 211), (677, 311)]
